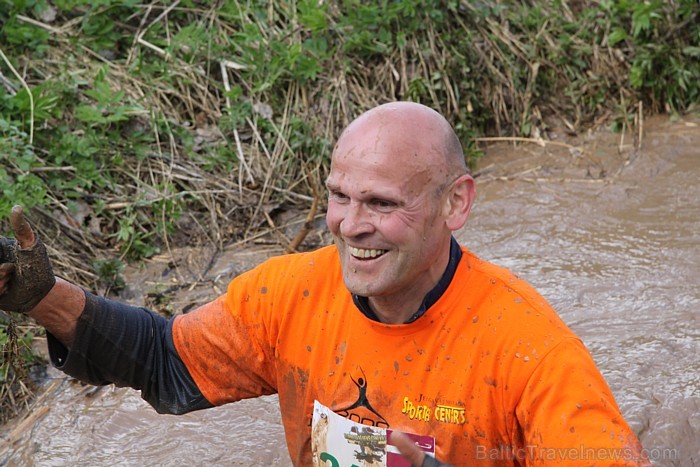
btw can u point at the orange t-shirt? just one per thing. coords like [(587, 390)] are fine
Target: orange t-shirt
[(490, 370)]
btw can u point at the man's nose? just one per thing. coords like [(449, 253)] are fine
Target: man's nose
[(357, 220)]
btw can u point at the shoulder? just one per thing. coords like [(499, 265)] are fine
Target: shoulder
[(502, 279), (298, 265), (320, 258), (499, 288), (515, 330), (507, 308), (282, 274)]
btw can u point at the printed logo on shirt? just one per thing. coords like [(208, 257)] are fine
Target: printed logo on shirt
[(441, 411), (362, 411)]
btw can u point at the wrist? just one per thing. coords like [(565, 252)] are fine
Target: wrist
[(60, 310)]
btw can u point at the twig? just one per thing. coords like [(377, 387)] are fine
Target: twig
[(545, 179), (234, 65), (53, 169), (9, 85), (306, 227), (227, 86), (483, 170), (241, 156), (32, 418), (203, 273), (640, 127), (33, 415), (274, 228), (132, 51), (260, 139), (291, 194), (39, 24), (621, 145), (153, 47), (163, 14), (516, 176), (539, 142), (31, 97), (139, 36)]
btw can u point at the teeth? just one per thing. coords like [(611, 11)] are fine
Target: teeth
[(362, 253)]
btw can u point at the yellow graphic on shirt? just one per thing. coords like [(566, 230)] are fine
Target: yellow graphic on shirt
[(440, 412), (447, 414), (415, 411)]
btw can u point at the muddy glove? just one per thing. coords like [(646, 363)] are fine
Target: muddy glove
[(26, 275)]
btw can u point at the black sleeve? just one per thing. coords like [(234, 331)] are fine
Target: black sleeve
[(129, 346)]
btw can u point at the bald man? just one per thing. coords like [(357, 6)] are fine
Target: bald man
[(395, 341)]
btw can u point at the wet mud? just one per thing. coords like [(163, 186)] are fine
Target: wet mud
[(610, 235)]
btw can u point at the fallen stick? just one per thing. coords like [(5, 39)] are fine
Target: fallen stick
[(539, 142)]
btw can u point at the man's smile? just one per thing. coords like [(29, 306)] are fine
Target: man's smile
[(363, 253)]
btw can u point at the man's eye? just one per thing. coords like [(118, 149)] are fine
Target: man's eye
[(383, 204), (338, 196)]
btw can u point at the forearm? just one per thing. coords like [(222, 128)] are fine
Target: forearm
[(127, 346), (59, 311)]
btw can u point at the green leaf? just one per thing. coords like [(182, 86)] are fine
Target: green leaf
[(616, 36), (89, 114), (691, 51)]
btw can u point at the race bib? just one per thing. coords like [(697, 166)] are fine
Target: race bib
[(339, 442)]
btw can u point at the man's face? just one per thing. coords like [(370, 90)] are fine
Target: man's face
[(385, 213)]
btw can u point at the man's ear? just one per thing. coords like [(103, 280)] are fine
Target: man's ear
[(458, 202)]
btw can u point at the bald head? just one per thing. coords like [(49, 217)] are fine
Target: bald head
[(397, 189), (414, 133)]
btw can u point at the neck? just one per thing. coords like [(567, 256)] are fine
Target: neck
[(389, 312), (399, 308)]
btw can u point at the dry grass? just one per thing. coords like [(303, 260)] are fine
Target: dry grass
[(221, 206)]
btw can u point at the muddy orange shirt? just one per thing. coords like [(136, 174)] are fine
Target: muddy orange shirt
[(490, 370)]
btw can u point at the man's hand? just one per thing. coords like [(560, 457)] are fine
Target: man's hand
[(412, 453), (25, 270)]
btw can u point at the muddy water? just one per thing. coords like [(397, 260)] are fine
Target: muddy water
[(609, 235)]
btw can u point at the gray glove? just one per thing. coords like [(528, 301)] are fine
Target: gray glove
[(32, 279)]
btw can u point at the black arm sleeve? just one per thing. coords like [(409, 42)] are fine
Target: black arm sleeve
[(129, 346)]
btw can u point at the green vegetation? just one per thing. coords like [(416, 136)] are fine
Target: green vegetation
[(123, 124), (17, 358)]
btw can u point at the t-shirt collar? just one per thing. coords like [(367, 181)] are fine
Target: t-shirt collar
[(362, 303)]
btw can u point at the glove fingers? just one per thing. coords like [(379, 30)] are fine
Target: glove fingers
[(7, 250), (6, 270)]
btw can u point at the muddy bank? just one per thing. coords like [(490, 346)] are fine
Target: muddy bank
[(608, 234)]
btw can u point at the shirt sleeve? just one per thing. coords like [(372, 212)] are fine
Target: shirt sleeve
[(225, 347), (129, 346), (568, 415)]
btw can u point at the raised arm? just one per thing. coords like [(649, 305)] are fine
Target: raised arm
[(96, 340)]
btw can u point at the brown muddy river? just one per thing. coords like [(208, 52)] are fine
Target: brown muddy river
[(609, 235)]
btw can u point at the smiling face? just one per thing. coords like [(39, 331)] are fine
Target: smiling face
[(391, 206)]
